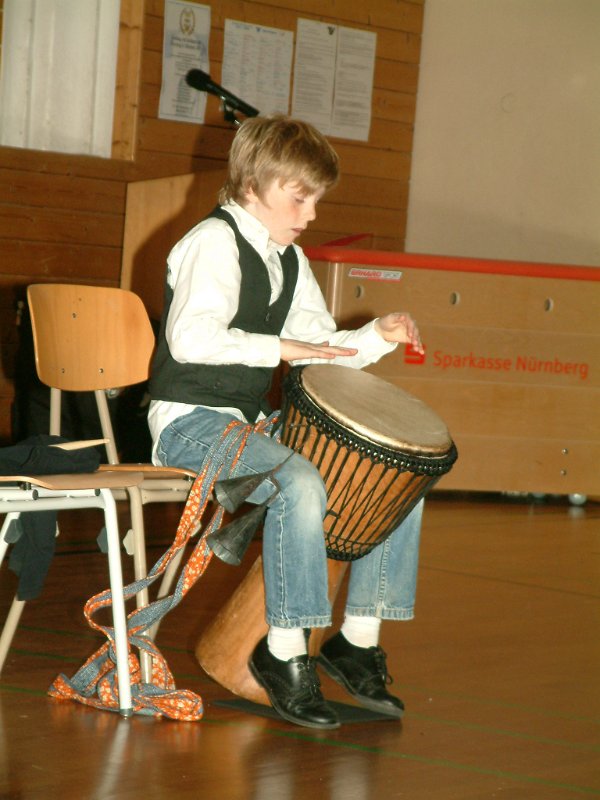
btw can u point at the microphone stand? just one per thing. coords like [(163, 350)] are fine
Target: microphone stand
[(229, 113), (230, 104)]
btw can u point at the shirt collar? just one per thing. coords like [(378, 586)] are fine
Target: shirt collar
[(253, 230)]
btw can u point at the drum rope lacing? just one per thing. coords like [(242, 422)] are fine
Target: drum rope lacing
[(95, 683), (423, 464), (371, 487)]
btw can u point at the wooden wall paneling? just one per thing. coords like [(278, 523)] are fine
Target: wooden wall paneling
[(165, 165), (396, 77), (27, 261), (62, 225), (360, 190), (159, 213), (398, 106), (23, 187), (401, 22), (396, 14), (81, 166), (8, 340), (387, 134), (62, 217), (359, 160), (49, 221), (396, 45), (366, 239), (166, 136), (362, 218), (128, 77)]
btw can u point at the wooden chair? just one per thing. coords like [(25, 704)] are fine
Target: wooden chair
[(26, 493), (94, 338)]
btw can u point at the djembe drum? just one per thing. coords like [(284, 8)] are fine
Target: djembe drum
[(378, 449)]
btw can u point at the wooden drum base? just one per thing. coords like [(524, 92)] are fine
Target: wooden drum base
[(226, 644)]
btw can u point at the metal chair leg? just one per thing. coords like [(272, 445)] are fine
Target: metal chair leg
[(118, 603), (8, 520), (10, 627), (140, 567)]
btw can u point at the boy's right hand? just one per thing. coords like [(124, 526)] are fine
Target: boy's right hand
[(293, 350)]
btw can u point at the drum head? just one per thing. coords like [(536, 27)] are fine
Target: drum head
[(375, 409)]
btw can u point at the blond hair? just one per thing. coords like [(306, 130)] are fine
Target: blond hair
[(265, 149)]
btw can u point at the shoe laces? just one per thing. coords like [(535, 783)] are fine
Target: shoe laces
[(310, 685), (381, 675)]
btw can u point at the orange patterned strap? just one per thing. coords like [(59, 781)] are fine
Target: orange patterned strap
[(95, 683)]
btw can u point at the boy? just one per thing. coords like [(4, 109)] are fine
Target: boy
[(240, 298)]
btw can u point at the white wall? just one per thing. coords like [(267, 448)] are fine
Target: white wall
[(506, 160)]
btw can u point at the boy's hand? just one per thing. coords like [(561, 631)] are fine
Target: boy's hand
[(293, 350), (399, 327)]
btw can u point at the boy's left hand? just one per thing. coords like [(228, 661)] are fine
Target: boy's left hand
[(399, 327)]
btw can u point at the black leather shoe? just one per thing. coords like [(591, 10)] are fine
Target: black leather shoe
[(362, 671), (293, 687)]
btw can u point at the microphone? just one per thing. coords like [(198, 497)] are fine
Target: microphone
[(199, 80)]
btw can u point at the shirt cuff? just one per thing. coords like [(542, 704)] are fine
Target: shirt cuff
[(375, 343), (262, 350)]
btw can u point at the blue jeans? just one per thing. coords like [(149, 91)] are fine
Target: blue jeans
[(382, 584)]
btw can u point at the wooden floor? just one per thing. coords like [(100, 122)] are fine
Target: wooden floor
[(500, 673)]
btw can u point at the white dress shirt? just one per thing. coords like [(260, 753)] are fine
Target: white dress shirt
[(204, 272)]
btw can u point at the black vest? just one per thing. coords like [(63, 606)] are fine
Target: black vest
[(230, 385)]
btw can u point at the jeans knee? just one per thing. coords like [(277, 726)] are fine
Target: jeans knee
[(303, 486)]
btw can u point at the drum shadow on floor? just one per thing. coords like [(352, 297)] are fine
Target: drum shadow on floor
[(347, 714)]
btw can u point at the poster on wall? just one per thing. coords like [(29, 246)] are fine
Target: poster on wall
[(314, 71), (185, 47), (353, 85), (257, 65), (333, 78)]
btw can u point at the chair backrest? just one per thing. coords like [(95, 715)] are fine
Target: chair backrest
[(89, 338)]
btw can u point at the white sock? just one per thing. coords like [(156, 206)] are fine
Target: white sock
[(286, 643), (361, 631)]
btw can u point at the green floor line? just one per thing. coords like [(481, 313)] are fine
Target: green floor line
[(378, 751), (54, 631), (487, 701), (83, 548), (51, 656), (443, 763), (90, 634), (543, 712), (466, 726), (435, 762), (507, 582), (504, 732), (6, 687)]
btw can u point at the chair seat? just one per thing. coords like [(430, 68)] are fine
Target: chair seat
[(30, 493), (102, 479), (152, 471)]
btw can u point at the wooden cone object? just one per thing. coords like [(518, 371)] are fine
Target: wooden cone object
[(226, 644)]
